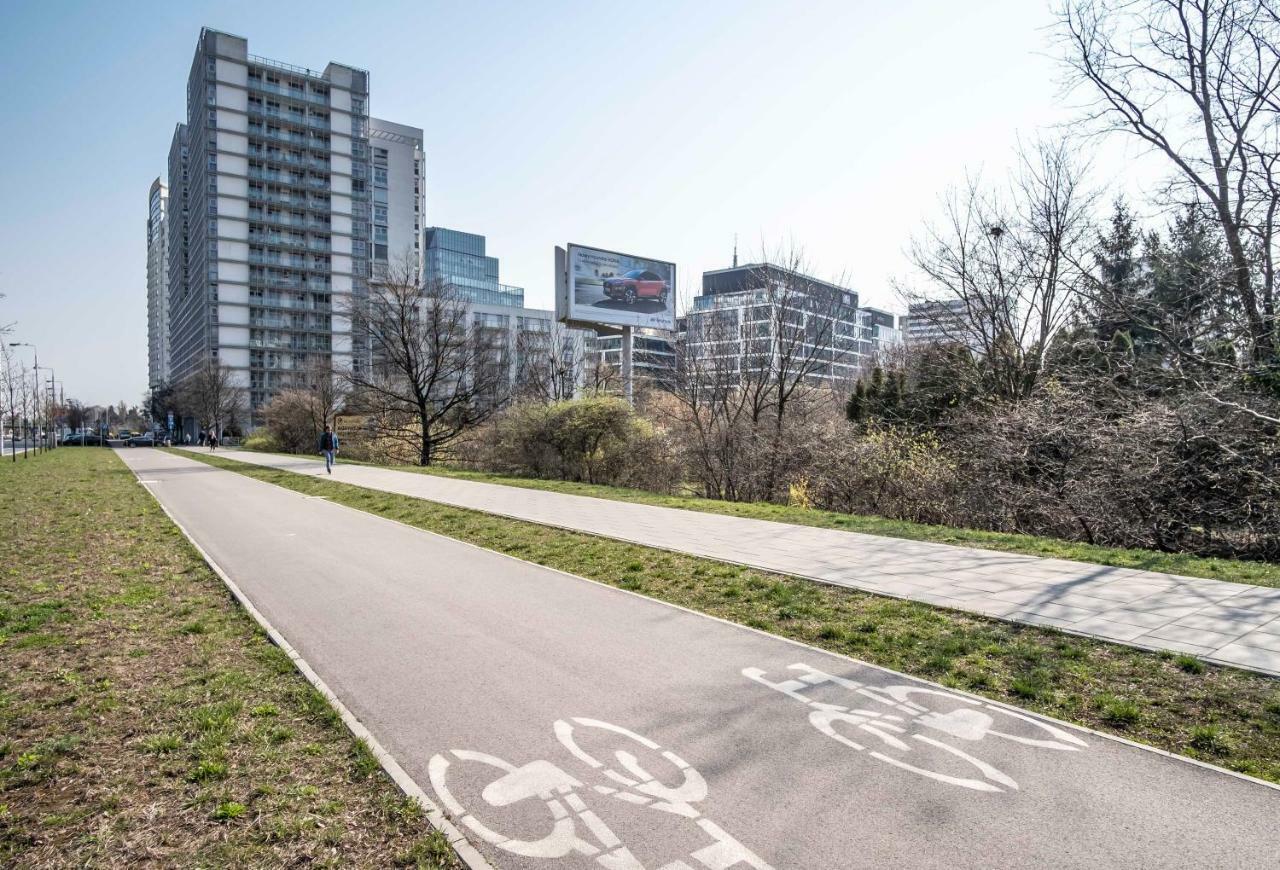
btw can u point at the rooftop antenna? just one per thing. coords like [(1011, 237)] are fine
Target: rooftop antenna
[(735, 250)]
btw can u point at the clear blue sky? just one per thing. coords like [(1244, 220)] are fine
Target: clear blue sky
[(660, 128)]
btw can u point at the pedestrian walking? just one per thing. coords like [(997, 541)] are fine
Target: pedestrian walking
[(213, 440), (329, 447)]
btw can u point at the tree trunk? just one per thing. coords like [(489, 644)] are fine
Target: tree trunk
[(424, 451)]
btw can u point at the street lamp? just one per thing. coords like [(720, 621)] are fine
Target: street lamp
[(36, 355), (54, 402)]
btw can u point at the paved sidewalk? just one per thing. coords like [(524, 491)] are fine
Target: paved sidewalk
[(1228, 623), (570, 725)]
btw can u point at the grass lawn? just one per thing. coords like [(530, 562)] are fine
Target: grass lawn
[(145, 718), (1222, 715), (1231, 570)]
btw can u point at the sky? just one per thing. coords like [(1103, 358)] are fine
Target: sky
[(661, 129)]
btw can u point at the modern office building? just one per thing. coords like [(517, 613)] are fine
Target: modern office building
[(653, 355), (275, 180), (527, 337), (739, 319), (949, 321), (459, 260), (930, 321), (157, 284)]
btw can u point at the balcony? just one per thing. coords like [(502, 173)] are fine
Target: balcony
[(277, 198), (290, 304), (291, 93), (276, 156), (277, 135)]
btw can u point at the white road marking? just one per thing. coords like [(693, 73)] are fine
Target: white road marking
[(560, 791), (964, 723)]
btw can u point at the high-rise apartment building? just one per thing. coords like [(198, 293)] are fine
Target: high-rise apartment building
[(399, 200), (157, 284), (285, 208)]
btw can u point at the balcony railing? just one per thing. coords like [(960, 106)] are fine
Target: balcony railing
[(291, 93)]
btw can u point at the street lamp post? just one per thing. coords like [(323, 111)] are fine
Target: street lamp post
[(54, 385)]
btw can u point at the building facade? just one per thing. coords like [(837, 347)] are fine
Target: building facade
[(748, 317), (157, 284), (543, 356), (274, 179), (459, 260), (653, 355), (932, 322)]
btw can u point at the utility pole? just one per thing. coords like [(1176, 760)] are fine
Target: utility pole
[(627, 380)]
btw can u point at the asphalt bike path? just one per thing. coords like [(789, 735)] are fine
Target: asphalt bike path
[(564, 723), (1227, 623)]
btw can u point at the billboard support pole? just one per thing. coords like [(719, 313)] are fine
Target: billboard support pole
[(627, 381)]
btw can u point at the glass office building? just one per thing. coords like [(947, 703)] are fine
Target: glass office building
[(459, 260)]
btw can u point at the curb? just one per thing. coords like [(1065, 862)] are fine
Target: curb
[(467, 853)]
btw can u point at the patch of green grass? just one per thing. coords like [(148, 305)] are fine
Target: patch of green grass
[(1119, 711), (1075, 679), (1210, 739), (1190, 664), (163, 743), (129, 674), (228, 810), (1230, 570)]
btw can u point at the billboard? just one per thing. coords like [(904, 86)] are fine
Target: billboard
[(608, 288)]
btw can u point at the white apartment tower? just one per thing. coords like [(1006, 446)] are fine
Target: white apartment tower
[(273, 185), (157, 284)]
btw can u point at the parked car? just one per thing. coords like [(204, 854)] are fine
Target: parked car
[(124, 435), (82, 439), (144, 439), (637, 284)]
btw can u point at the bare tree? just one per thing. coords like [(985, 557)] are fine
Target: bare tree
[(714, 409), (1198, 81), (1002, 268), (550, 364), (435, 373), (801, 330), (213, 395)]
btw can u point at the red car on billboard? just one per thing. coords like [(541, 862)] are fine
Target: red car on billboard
[(637, 284)]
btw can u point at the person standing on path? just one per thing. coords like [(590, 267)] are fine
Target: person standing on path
[(213, 440), (329, 447)]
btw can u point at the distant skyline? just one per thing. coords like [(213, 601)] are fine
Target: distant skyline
[(658, 129)]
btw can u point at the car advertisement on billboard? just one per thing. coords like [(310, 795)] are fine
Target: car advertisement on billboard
[(620, 289)]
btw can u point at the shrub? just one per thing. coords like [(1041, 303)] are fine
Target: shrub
[(292, 420), (263, 441), (597, 439)]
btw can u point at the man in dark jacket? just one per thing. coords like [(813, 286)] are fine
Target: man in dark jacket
[(329, 447)]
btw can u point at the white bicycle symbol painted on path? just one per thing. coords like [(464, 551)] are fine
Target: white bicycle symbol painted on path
[(897, 710), (629, 782)]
